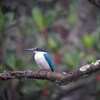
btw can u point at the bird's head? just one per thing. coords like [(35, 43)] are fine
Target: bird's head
[(36, 49)]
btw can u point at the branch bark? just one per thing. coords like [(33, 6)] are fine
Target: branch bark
[(57, 78)]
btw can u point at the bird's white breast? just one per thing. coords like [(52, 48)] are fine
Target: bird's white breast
[(40, 60)]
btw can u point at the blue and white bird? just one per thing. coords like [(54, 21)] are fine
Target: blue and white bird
[(42, 58)]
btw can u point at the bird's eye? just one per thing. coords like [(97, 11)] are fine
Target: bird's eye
[(35, 48)]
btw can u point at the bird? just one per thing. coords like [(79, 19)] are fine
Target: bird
[(42, 58)]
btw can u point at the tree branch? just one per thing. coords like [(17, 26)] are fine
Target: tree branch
[(57, 78), (95, 3)]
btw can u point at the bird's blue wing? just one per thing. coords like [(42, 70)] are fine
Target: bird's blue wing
[(50, 62)]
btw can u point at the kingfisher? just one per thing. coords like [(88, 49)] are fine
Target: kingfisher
[(42, 58)]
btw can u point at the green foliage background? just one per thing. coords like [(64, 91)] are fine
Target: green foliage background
[(43, 23)]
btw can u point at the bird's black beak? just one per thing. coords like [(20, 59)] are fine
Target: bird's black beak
[(31, 49)]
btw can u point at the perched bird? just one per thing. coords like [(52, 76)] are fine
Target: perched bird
[(42, 58)]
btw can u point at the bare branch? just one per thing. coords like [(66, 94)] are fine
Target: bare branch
[(57, 78), (95, 3)]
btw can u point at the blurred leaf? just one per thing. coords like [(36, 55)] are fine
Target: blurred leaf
[(41, 82), (8, 19), (1, 18), (88, 40), (49, 17), (81, 55), (71, 18), (18, 63), (29, 26), (52, 44), (2, 68), (73, 58), (68, 58), (90, 58), (96, 36), (10, 60), (38, 18), (98, 46)]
